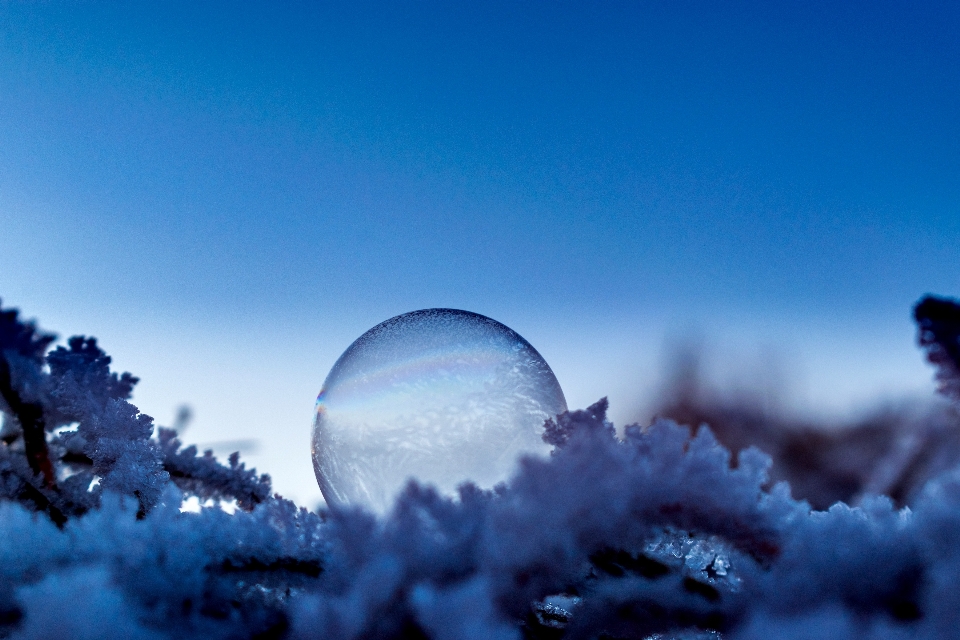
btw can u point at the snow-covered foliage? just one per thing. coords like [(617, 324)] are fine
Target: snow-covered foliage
[(659, 534), (939, 321)]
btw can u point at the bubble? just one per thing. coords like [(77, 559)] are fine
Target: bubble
[(440, 395)]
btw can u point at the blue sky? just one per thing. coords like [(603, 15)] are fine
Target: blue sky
[(228, 194)]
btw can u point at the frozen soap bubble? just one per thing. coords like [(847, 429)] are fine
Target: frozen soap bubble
[(440, 395)]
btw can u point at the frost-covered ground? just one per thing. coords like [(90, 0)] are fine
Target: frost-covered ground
[(660, 534)]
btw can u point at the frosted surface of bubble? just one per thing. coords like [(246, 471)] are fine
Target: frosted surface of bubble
[(440, 395)]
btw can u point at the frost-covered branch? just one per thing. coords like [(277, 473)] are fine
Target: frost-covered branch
[(206, 478), (663, 533), (939, 323), (71, 424)]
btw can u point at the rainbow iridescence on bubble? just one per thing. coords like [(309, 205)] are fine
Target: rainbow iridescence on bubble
[(440, 395)]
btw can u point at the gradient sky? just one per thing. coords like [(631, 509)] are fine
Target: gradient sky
[(227, 194)]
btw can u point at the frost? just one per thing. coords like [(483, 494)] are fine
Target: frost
[(939, 321), (661, 534)]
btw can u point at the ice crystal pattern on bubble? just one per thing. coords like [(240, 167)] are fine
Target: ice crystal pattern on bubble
[(440, 395)]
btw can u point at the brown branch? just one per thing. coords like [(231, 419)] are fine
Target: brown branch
[(29, 493), (30, 417)]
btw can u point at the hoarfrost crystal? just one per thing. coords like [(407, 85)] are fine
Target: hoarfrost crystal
[(440, 395)]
